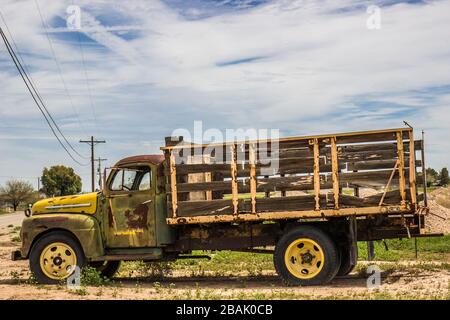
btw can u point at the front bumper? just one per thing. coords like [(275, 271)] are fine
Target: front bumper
[(16, 255)]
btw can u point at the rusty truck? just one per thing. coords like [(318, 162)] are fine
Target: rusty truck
[(325, 193)]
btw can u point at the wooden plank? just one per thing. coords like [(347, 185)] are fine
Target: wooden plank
[(283, 215), (305, 182), (203, 207), (368, 155), (335, 175), (285, 166), (371, 137), (412, 169), (353, 137), (222, 207), (389, 146), (253, 182), (234, 183), (316, 174), (173, 184), (306, 202), (401, 167), (378, 164)]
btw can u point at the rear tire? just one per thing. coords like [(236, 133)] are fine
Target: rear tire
[(306, 256), (54, 257), (347, 263)]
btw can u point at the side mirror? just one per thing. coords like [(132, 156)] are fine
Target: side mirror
[(27, 213)]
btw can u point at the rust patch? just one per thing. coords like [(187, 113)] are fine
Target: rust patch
[(50, 219), (111, 221), (138, 218)]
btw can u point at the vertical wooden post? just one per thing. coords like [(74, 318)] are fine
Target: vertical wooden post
[(267, 193), (424, 171), (335, 169), (316, 174), (234, 184), (208, 177), (412, 168), (401, 167), (173, 184), (252, 161), (283, 192)]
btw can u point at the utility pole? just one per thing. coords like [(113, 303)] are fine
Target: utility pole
[(99, 170), (92, 142)]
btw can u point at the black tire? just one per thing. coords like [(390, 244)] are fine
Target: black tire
[(107, 269), (347, 264), (42, 243), (331, 256)]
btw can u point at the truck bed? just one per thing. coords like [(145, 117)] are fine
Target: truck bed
[(297, 177)]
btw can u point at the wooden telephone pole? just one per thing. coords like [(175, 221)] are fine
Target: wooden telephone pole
[(99, 170), (92, 142)]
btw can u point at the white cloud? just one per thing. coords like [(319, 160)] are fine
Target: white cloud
[(315, 68)]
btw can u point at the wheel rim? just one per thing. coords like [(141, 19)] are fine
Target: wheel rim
[(58, 260), (304, 258)]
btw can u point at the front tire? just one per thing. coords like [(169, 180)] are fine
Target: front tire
[(55, 256), (306, 256)]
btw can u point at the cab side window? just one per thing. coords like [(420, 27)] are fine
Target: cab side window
[(132, 179), (145, 183)]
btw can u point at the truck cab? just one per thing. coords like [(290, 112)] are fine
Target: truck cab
[(125, 221), (133, 204)]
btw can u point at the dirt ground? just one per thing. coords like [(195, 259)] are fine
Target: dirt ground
[(399, 280), (407, 280)]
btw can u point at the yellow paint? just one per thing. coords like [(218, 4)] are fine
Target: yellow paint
[(128, 233), (304, 258), (82, 203)]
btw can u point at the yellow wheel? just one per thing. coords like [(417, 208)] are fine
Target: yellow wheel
[(55, 256), (306, 255), (58, 261), (304, 258)]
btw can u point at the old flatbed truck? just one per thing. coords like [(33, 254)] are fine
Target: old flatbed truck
[(309, 211)]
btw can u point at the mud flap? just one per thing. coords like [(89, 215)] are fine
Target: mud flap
[(16, 255), (353, 255)]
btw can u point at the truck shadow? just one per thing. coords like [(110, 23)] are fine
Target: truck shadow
[(233, 282)]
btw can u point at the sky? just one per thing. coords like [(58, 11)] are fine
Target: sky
[(137, 70)]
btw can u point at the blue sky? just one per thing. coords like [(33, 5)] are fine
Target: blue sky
[(151, 67)]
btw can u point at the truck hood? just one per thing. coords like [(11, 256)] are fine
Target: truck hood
[(82, 203)]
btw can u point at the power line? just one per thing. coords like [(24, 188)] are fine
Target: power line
[(31, 81), (91, 100), (33, 93), (58, 65)]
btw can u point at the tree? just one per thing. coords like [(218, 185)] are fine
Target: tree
[(432, 176), (444, 179), (15, 192), (60, 181)]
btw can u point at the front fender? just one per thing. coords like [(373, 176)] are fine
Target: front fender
[(84, 227)]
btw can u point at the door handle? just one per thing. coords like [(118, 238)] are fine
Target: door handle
[(148, 201)]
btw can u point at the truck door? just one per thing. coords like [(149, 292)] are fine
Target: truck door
[(130, 208)]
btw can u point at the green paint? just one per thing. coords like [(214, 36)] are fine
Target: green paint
[(123, 219)]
